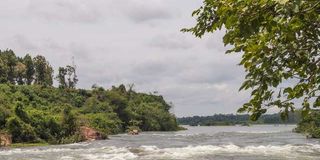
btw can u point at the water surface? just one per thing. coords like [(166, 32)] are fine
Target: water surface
[(259, 142)]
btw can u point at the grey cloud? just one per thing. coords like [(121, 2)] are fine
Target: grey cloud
[(171, 41), (144, 11), (23, 43), (215, 42), (208, 74), (142, 14), (150, 68), (80, 51), (64, 10)]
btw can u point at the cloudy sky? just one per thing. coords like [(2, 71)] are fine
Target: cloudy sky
[(129, 41)]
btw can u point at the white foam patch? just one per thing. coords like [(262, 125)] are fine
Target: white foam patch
[(188, 135), (259, 132), (33, 151), (189, 152), (67, 158), (288, 151), (111, 153)]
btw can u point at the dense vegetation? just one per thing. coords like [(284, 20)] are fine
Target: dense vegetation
[(310, 125), (231, 119), (279, 41), (32, 110)]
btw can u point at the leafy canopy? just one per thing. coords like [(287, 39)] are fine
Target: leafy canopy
[(279, 43)]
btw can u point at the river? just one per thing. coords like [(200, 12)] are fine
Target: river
[(258, 142)]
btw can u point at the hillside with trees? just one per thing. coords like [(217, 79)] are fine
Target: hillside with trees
[(238, 119), (33, 110)]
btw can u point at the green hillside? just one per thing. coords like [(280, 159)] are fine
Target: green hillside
[(32, 110)]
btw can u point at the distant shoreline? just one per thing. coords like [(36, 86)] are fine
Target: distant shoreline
[(235, 119)]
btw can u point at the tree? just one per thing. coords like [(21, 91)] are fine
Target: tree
[(49, 75), (119, 102), (72, 76), (20, 131), (43, 71), (130, 90), (61, 77), (3, 71), (279, 43), (69, 121), (9, 59), (20, 73), (20, 112), (29, 76), (71, 80), (4, 115)]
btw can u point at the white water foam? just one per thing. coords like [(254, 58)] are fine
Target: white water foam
[(259, 132), (33, 151), (189, 152), (195, 151)]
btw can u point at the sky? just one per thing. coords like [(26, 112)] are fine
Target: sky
[(129, 41)]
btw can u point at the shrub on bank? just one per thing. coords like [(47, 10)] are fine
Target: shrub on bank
[(33, 113), (310, 125)]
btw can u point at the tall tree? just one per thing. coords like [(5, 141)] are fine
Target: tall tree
[(72, 76), (61, 77), (29, 76), (3, 70), (69, 121), (67, 77), (43, 71), (49, 75), (280, 45), (20, 73), (10, 60)]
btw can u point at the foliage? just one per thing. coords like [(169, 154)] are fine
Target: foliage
[(231, 119), (71, 80), (34, 111), (107, 123), (20, 131), (69, 122), (279, 42), (29, 73), (44, 72), (310, 125), (18, 70)]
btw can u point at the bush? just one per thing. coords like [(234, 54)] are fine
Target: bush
[(4, 115), (69, 122), (310, 125), (106, 123), (55, 115), (20, 131), (19, 111)]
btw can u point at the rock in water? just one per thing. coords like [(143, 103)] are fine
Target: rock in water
[(90, 134), (134, 132), (5, 139)]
